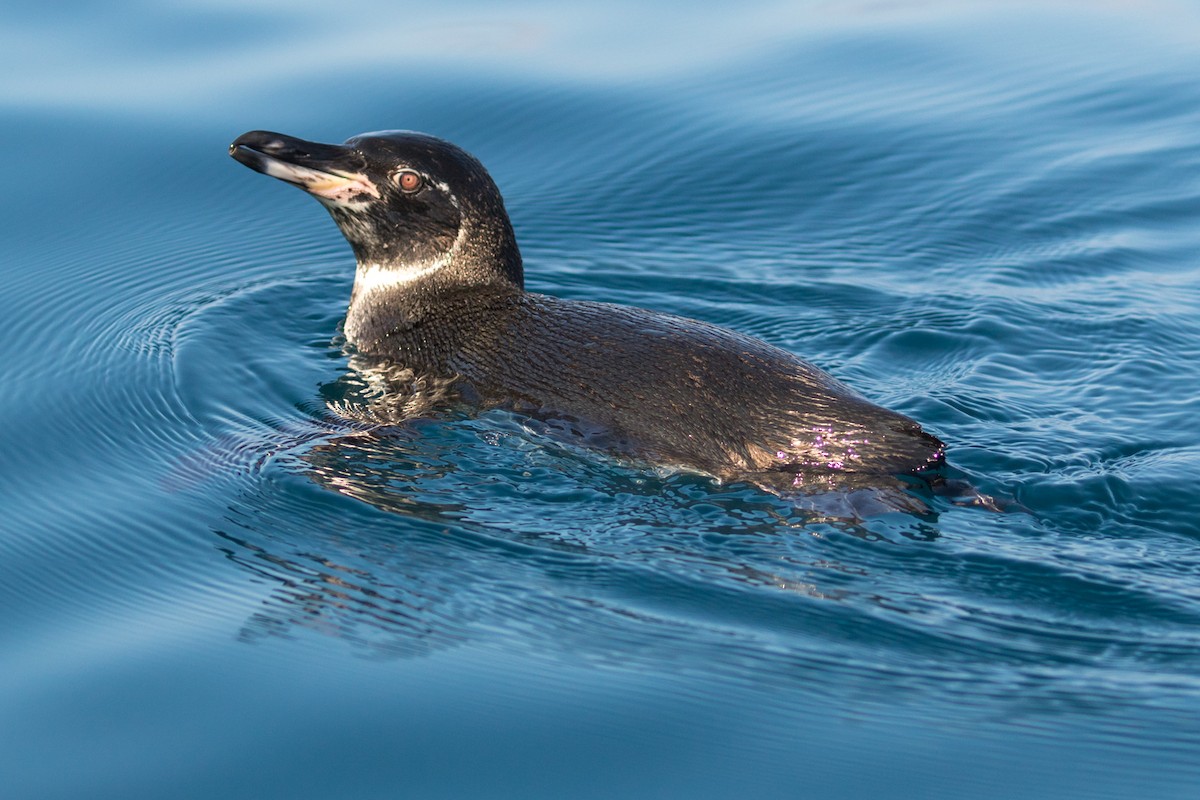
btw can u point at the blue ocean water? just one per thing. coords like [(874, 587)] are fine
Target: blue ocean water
[(984, 215)]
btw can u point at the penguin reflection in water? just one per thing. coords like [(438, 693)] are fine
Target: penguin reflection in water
[(439, 315)]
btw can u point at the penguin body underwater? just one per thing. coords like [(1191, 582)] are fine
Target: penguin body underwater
[(439, 299)]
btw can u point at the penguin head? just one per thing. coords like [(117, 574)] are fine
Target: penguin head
[(412, 206)]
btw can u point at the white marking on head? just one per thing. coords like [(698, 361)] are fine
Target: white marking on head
[(449, 194)]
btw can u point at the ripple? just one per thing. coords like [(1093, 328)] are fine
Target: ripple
[(982, 219)]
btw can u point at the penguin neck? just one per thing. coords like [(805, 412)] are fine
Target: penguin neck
[(393, 297), (392, 303), (389, 300), (376, 283)]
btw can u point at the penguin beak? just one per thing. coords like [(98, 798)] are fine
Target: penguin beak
[(326, 171)]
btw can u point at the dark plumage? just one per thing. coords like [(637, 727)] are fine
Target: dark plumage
[(439, 303)]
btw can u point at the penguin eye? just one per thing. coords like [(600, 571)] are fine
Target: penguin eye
[(408, 180)]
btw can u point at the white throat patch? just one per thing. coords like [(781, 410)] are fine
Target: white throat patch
[(371, 278)]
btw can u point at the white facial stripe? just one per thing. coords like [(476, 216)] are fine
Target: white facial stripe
[(342, 189), (370, 278)]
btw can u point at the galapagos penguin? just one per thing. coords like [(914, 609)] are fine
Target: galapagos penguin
[(439, 298)]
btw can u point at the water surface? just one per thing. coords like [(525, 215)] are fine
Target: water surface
[(983, 216)]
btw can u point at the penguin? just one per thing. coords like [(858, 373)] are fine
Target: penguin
[(439, 304)]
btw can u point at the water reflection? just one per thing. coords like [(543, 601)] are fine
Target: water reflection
[(492, 529), (318, 594)]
